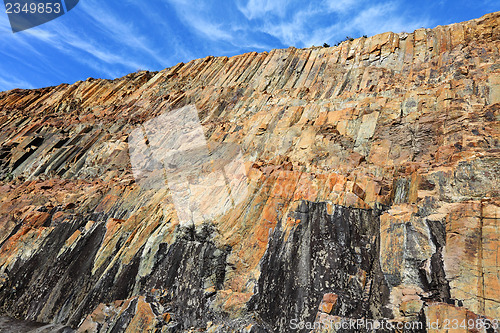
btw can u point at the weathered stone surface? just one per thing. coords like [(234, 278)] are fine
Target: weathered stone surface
[(371, 191), (335, 253)]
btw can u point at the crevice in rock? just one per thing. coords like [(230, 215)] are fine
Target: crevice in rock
[(437, 285)]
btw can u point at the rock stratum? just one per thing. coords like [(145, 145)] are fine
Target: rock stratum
[(371, 177)]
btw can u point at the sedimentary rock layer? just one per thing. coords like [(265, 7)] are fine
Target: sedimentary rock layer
[(371, 191)]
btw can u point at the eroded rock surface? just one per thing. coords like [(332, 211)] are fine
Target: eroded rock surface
[(371, 191)]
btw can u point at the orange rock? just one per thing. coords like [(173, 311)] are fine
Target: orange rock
[(328, 303)]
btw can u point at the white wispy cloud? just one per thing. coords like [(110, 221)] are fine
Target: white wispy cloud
[(296, 31), (156, 15), (209, 29), (386, 17), (194, 16), (341, 6), (225, 33), (118, 45), (8, 82), (81, 47), (8, 40), (123, 32), (95, 50), (258, 8)]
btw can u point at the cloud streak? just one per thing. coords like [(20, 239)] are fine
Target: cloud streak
[(120, 31), (8, 82), (386, 17), (258, 8), (107, 45)]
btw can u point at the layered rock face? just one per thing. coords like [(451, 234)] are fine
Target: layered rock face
[(368, 189)]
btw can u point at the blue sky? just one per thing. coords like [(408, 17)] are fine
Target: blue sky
[(111, 38)]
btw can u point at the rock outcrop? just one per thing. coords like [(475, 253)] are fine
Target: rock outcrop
[(371, 192)]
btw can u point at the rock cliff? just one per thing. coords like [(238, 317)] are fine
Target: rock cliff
[(370, 176)]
